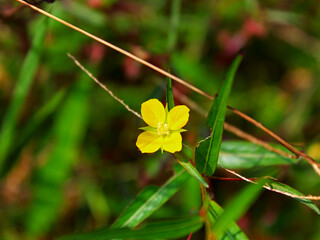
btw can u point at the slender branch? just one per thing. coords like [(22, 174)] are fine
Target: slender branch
[(103, 86), (230, 179), (313, 163)]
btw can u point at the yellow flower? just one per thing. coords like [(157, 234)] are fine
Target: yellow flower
[(164, 128)]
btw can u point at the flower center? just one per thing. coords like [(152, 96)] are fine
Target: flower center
[(163, 129)]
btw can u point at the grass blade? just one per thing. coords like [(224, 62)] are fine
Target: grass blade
[(149, 200), (25, 78), (211, 146), (171, 229)]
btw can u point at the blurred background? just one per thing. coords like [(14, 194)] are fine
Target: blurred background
[(68, 158)]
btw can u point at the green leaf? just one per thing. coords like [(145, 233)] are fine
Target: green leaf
[(233, 231), (207, 164), (170, 229), (25, 78), (170, 101), (191, 169), (237, 207), (149, 200), (287, 189), (242, 155)]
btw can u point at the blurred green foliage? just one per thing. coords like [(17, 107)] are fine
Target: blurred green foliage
[(70, 162)]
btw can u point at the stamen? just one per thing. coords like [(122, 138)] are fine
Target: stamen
[(163, 129)]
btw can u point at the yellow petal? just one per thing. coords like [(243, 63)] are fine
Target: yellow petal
[(172, 143), (178, 117), (153, 112), (149, 142)]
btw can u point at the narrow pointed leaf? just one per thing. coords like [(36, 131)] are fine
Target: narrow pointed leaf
[(169, 94), (233, 231), (149, 200), (237, 207), (220, 102), (170, 229), (207, 164), (287, 189), (191, 170)]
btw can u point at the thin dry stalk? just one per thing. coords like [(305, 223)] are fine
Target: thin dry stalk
[(313, 163), (103, 86)]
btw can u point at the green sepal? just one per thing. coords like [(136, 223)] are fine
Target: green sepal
[(169, 94), (148, 128), (178, 130)]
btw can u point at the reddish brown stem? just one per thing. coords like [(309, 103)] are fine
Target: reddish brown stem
[(231, 179)]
